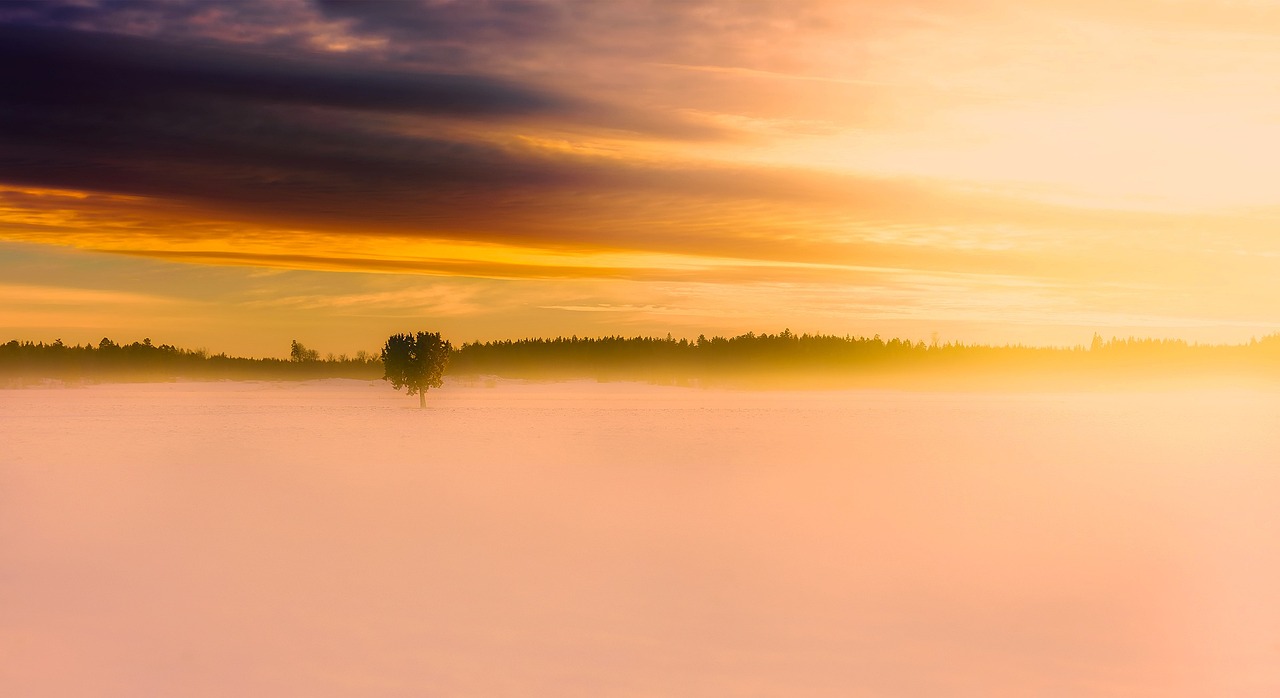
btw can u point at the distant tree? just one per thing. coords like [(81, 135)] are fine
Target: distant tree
[(416, 362), (298, 352)]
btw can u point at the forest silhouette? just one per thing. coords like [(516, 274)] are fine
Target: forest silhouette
[(26, 362), (783, 359)]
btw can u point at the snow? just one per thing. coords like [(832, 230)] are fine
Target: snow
[(329, 538)]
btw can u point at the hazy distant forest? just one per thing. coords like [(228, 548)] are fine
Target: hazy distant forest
[(784, 358)]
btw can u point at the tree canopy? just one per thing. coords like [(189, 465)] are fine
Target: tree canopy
[(299, 352), (416, 362)]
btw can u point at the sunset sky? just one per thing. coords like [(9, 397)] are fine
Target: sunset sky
[(234, 176)]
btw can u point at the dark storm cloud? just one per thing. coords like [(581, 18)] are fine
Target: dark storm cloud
[(278, 22), (650, 30), (271, 133), (43, 66), (509, 20), (243, 129)]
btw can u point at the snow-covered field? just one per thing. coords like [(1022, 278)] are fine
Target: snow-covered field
[(583, 539)]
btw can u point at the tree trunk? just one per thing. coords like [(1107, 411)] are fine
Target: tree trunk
[(422, 399)]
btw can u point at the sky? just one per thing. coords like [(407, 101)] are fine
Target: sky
[(233, 176)]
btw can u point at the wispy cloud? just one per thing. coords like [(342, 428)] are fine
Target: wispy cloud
[(769, 74), (28, 295)]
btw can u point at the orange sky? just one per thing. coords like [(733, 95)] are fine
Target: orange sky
[(236, 177)]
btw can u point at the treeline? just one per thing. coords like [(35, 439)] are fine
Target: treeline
[(784, 358), (26, 362), (815, 358)]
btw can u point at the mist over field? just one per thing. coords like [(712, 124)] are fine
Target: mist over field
[(328, 538)]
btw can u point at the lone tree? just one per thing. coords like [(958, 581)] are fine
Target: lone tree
[(416, 362)]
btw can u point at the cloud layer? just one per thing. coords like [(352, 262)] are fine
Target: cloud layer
[(1072, 150)]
